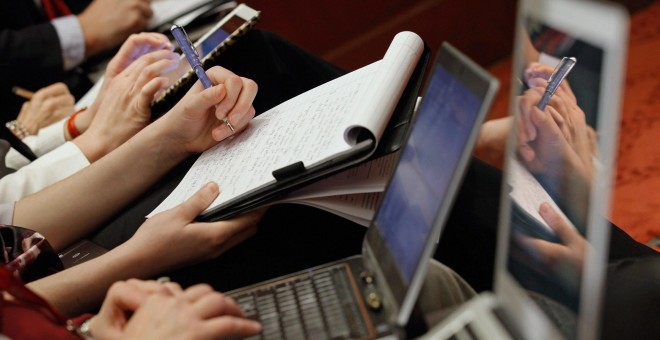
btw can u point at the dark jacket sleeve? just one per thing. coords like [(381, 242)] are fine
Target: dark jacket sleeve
[(30, 53)]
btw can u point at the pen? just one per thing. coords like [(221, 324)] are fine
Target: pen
[(191, 54), (558, 75), (193, 59), (21, 92)]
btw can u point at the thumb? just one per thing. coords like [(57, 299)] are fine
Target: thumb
[(198, 202), (560, 226)]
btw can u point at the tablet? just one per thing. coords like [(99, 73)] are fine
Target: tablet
[(211, 45), (215, 41)]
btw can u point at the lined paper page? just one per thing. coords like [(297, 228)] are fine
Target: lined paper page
[(398, 64), (529, 194), (308, 128), (371, 176), (359, 208)]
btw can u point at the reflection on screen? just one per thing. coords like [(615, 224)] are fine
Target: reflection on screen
[(420, 181), (542, 259)]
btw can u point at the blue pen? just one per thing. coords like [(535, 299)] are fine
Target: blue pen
[(191, 54), (193, 59), (558, 75)]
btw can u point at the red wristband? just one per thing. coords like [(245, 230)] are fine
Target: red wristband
[(71, 127)]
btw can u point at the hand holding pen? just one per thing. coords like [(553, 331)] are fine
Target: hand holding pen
[(561, 71), (190, 52), (558, 130), (233, 108)]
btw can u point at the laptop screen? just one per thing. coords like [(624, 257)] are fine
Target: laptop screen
[(421, 190), (559, 162), (426, 167)]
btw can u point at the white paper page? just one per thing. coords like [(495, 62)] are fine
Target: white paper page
[(359, 208), (308, 128), (371, 176), (165, 10), (528, 193), (400, 61)]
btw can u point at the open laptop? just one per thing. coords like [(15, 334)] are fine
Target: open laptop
[(372, 295), (535, 298)]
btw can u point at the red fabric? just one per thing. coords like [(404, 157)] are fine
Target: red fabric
[(55, 8), (25, 315)]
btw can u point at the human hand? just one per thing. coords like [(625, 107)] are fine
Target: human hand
[(134, 47), (555, 142), (126, 105), (166, 311), (565, 111), (121, 300), (107, 23), (567, 256), (176, 240), (48, 105), (195, 123)]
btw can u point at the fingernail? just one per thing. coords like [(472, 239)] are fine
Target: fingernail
[(211, 187), (255, 325)]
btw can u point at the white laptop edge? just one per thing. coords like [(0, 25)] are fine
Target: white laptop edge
[(609, 31)]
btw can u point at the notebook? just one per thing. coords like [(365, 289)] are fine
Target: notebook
[(372, 295), (534, 298)]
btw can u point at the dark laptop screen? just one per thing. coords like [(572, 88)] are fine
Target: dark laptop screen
[(421, 180)]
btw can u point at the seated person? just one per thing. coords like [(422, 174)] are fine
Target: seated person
[(132, 309), (110, 121), (47, 106), (162, 309), (75, 206), (46, 41)]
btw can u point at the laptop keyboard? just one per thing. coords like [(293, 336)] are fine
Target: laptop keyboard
[(318, 305)]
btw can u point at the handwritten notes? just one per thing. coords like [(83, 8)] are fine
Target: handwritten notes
[(310, 128)]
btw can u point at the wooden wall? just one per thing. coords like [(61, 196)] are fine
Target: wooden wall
[(353, 33)]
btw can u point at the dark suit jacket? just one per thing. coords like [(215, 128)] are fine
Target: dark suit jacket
[(30, 52)]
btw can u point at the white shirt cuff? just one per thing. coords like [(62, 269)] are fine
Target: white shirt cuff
[(72, 40), (44, 171), (46, 140)]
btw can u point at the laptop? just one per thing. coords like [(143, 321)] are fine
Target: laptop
[(535, 297), (371, 295)]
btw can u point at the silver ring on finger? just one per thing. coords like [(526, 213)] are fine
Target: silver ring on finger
[(231, 127)]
